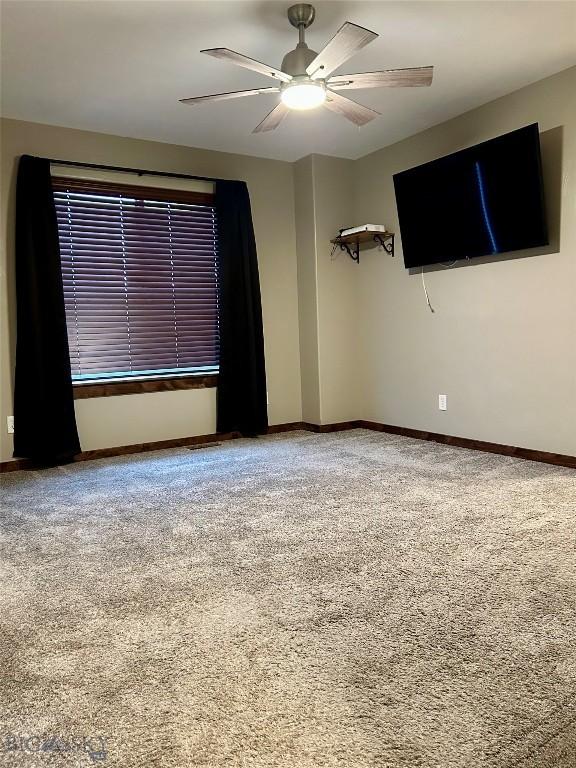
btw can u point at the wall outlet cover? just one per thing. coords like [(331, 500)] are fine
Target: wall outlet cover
[(10, 424), (443, 402)]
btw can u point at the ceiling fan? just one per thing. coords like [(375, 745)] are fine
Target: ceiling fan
[(305, 78)]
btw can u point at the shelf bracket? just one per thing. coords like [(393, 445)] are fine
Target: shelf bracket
[(353, 252), (388, 246)]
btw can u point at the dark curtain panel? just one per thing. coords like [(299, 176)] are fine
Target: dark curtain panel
[(242, 378), (44, 420)]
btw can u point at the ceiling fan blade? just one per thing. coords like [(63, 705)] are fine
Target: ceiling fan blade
[(231, 95), (349, 39), (244, 61), (273, 119), (390, 78), (351, 110)]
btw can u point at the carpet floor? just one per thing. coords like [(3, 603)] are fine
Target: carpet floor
[(298, 601)]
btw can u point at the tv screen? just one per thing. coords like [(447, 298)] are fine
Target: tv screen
[(484, 200)]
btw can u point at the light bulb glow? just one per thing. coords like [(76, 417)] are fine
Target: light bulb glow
[(304, 95)]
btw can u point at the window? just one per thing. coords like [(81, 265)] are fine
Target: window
[(139, 273)]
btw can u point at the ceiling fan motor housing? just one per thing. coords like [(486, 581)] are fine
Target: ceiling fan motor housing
[(296, 61)]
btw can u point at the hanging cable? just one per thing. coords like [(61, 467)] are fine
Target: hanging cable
[(426, 292)]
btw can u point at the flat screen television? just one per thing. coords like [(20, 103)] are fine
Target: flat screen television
[(484, 200)]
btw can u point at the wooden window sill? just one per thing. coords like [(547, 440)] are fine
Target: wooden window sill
[(113, 388)]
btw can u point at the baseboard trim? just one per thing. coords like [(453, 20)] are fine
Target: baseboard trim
[(339, 426), (291, 426), (529, 454), (124, 450)]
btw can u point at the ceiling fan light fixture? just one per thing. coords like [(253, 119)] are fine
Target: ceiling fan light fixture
[(305, 80), (303, 96)]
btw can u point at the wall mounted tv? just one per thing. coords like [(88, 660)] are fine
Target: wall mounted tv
[(484, 200)]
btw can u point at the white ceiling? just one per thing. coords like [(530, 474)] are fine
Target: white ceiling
[(120, 66)]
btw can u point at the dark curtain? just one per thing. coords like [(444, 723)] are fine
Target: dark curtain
[(44, 420), (241, 393)]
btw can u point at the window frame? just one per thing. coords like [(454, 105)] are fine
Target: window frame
[(83, 390), (155, 382)]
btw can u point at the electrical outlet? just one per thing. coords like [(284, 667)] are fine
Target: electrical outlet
[(443, 402), (10, 424)]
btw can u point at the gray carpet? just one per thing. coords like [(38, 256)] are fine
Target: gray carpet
[(298, 601)]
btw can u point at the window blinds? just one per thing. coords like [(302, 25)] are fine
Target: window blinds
[(140, 282)]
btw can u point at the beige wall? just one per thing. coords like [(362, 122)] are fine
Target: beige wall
[(307, 287), (502, 341), (140, 418), (337, 278), (326, 290)]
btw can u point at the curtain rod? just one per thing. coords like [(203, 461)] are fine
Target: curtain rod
[(138, 171)]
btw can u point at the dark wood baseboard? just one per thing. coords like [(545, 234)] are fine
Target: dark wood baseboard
[(459, 442), (477, 445), (124, 450), (307, 426), (291, 426), (339, 426)]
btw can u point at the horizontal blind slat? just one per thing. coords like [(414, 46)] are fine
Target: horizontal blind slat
[(140, 278)]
